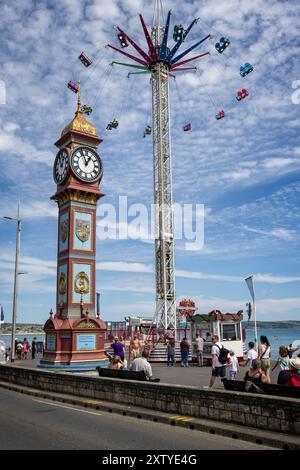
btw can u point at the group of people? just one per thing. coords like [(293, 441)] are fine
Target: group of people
[(23, 348), (184, 349), (259, 364), (137, 358)]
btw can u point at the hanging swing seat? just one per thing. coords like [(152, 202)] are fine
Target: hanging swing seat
[(147, 131), (220, 114), (243, 93), (222, 45), (85, 60), (122, 40), (179, 33), (187, 127), (86, 109), (246, 69), (112, 125), (73, 86)]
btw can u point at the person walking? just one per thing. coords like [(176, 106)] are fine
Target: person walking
[(251, 355), (33, 348), (219, 359), (233, 365), (185, 349), (169, 335), (26, 348), (171, 352), (264, 355), (135, 348), (19, 349), (119, 348), (199, 349), (283, 359)]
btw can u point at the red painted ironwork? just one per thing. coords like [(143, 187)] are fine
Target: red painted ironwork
[(136, 46), (128, 55), (152, 49)]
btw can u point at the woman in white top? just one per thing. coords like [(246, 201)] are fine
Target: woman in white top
[(264, 355)]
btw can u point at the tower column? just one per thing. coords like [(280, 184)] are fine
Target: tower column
[(74, 334), (163, 199)]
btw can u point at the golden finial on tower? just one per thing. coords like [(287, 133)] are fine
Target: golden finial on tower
[(79, 123)]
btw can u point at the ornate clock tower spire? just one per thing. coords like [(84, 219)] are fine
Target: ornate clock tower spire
[(75, 337)]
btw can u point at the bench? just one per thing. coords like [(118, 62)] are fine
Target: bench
[(124, 374), (268, 389)]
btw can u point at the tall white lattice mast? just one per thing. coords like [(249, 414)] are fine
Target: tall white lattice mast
[(163, 191), (160, 61)]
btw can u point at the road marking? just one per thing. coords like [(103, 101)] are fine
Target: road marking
[(67, 407), (93, 402), (184, 419), (180, 418)]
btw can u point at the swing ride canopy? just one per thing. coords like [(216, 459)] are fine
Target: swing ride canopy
[(148, 60)]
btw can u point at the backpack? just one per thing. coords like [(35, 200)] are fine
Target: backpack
[(223, 354), (294, 380)]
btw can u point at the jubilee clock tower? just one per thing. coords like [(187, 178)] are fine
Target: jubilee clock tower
[(74, 334)]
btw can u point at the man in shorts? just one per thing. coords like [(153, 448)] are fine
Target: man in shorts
[(218, 369)]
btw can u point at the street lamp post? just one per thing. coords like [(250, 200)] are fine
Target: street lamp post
[(15, 300)]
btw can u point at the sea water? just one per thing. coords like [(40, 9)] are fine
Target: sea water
[(276, 336), (29, 336)]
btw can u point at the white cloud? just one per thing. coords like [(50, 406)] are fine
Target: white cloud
[(267, 309), (122, 266)]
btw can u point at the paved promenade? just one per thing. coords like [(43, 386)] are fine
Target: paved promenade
[(177, 375)]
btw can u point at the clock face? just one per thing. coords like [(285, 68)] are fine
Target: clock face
[(61, 166), (86, 164)]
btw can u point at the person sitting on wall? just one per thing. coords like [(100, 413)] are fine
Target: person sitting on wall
[(141, 363), (116, 363), (290, 377), (255, 377)]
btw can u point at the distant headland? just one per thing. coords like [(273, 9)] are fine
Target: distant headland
[(32, 328), (276, 324), (29, 328)]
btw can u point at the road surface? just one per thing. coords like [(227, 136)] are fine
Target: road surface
[(32, 423)]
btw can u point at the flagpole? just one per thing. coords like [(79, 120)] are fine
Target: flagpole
[(255, 326), (254, 311), (250, 284), (15, 301)]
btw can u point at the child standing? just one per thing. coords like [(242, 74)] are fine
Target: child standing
[(234, 365), (283, 359), (171, 352)]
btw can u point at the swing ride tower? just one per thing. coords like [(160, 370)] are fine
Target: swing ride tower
[(161, 62), (165, 313)]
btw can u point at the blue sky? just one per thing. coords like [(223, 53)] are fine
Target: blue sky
[(244, 168)]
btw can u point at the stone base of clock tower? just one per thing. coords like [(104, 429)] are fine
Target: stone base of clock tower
[(74, 344)]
